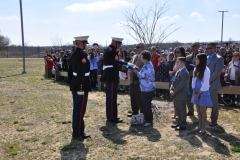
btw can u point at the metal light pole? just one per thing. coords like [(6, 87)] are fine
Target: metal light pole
[(23, 54), (222, 24)]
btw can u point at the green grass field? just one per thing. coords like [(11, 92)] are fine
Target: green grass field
[(36, 115)]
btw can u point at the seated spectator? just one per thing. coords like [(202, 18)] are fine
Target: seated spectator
[(232, 74)]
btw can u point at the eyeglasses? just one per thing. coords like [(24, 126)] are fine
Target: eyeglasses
[(208, 48), (193, 46), (177, 52), (235, 55)]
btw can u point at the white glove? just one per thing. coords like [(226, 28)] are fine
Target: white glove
[(80, 93)]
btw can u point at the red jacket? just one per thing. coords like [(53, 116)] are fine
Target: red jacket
[(50, 63), (155, 61)]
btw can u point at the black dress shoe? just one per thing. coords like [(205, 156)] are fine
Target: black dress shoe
[(85, 136), (116, 121), (180, 128), (190, 114), (174, 126), (129, 115)]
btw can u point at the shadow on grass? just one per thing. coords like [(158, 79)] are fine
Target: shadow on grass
[(231, 108), (215, 143), (11, 75), (151, 133), (113, 133), (74, 150), (219, 131)]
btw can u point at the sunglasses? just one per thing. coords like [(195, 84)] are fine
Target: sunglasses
[(137, 47), (208, 48)]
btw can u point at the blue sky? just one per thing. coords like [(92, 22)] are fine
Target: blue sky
[(44, 19)]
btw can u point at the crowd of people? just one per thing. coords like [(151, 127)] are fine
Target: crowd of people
[(194, 75)]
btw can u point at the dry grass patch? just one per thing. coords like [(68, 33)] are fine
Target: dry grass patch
[(36, 115)]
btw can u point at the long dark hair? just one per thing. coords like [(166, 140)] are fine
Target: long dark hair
[(182, 51), (200, 68)]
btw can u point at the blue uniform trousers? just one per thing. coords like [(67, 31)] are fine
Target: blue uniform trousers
[(79, 109), (111, 101)]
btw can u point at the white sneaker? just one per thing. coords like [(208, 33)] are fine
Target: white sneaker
[(147, 124)]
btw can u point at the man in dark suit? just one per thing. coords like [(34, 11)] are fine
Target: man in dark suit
[(80, 86), (111, 68), (179, 91), (191, 60), (215, 64), (135, 92)]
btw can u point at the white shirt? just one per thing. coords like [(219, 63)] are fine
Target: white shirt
[(232, 72), (205, 80)]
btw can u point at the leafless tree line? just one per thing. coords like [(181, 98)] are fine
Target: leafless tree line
[(144, 27)]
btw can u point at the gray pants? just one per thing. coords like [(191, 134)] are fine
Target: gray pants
[(181, 112), (215, 107)]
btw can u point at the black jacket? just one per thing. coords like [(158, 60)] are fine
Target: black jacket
[(80, 64), (110, 57)]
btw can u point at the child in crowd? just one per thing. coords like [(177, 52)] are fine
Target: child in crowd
[(179, 91)]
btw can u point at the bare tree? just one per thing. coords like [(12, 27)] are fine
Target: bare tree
[(4, 41), (56, 41), (144, 27)]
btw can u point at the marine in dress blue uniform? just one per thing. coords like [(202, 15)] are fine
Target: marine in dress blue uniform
[(80, 86), (111, 68)]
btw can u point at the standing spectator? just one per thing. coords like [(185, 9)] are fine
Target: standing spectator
[(227, 60), (147, 84), (126, 56), (93, 68), (191, 60), (178, 91), (50, 65), (155, 59), (100, 64), (165, 51), (200, 88), (135, 92), (232, 75), (215, 64), (163, 67)]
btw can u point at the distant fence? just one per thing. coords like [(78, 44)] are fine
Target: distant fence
[(30, 52)]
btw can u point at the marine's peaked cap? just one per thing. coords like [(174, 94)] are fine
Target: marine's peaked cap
[(117, 39)]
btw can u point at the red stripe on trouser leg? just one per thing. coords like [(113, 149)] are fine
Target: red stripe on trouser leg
[(112, 99), (81, 113)]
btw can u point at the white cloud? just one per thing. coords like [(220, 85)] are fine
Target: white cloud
[(166, 19), (236, 15), (98, 6), (9, 18), (176, 17), (198, 16)]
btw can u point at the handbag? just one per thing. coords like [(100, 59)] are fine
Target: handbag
[(137, 119)]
